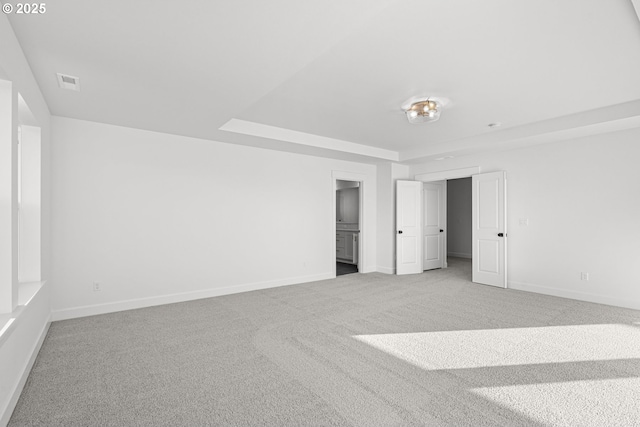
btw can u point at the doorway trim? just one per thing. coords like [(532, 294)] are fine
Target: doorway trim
[(449, 174), (362, 216), (444, 176)]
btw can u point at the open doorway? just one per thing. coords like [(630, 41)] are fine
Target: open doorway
[(488, 223), (459, 218), (447, 217), (348, 209), (445, 211), (459, 224)]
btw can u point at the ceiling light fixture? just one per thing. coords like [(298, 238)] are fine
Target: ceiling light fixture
[(423, 110)]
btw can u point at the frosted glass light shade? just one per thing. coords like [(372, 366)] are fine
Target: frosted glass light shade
[(424, 111)]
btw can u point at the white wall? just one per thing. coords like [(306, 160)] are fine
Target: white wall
[(582, 200), (388, 174), (19, 349), (157, 218), (21, 342), (459, 217), (29, 267), (8, 198)]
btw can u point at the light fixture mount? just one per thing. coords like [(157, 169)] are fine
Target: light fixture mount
[(423, 109)]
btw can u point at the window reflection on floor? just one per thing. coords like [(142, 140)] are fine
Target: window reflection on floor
[(558, 375)]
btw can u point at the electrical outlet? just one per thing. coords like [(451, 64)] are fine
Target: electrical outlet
[(584, 276), (524, 221), (97, 286)]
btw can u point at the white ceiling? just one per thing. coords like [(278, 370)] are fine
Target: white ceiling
[(328, 77)]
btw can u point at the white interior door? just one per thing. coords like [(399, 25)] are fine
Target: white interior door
[(489, 229), (408, 227), (434, 224)]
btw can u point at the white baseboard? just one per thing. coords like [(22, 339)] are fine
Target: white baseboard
[(459, 255), (386, 270), (15, 394), (111, 307), (367, 269), (581, 296)]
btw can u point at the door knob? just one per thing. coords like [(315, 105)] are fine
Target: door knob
[(500, 234), (399, 231), (442, 231)]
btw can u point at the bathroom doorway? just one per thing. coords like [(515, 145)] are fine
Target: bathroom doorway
[(347, 226)]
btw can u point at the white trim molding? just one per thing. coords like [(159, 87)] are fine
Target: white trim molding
[(365, 185), (580, 296), (17, 391), (307, 139), (111, 307), (459, 255), (448, 174)]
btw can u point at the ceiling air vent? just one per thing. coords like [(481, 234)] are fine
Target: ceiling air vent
[(68, 82)]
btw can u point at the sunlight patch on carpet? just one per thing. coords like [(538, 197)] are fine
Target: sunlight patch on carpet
[(596, 403), (510, 346)]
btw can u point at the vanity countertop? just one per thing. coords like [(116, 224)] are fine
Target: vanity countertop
[(347, 226)]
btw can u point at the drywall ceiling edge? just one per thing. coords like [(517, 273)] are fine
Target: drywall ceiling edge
[(302, 138)]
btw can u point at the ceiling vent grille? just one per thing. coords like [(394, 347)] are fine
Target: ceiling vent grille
[(68, 82)]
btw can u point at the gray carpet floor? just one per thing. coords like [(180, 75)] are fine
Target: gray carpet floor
[(361, 350)]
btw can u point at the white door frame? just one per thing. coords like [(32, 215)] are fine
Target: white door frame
[(362, 216), (443, 176)]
